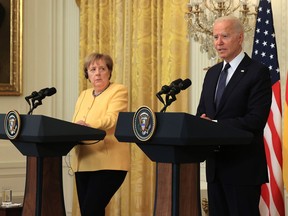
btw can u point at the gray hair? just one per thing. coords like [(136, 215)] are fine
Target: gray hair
[(237, 24)]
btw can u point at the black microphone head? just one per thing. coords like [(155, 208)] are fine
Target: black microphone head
[(175, 90), (165, 89), (33, 94), (176, 82), (41, 93), (185, 84), (50, 91)]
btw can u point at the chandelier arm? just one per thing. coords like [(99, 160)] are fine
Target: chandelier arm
[(236, 8), (225, 10), (229, 5), (213, 5), (202, 28), (233, 9), (212, 10)]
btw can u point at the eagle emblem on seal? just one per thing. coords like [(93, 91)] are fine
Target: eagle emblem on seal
[(144, 120), (144, 123)]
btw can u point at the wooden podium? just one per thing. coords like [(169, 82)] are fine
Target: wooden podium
[(180, 141), (44, 140)]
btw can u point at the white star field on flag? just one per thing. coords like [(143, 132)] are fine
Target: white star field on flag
[(264, 42)]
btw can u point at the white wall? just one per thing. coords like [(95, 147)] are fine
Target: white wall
[(50, 58)]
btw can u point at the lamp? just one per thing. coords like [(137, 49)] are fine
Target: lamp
[(202, 14)]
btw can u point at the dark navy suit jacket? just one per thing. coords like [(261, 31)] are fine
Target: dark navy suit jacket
[(245, 104)]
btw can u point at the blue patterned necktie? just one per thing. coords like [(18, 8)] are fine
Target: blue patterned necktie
[(221, 84)]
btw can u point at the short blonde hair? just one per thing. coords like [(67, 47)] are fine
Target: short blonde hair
[(97, 56)]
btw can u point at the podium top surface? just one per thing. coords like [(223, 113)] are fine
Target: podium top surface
[(182, 129), (44, 129)]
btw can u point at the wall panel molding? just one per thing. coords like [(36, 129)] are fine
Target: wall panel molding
[(12, 176)]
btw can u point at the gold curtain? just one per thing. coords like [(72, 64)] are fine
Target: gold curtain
[(147, 41)]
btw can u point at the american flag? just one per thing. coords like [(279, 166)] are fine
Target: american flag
[(265, 51)]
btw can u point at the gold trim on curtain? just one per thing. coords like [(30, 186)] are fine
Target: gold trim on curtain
[(147, 41)]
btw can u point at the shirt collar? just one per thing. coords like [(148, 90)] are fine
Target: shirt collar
[(236, 61)]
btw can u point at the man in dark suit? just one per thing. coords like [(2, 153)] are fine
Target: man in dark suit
[(235, 174)]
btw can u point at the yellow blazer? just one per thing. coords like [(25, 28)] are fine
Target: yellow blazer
[(101, 112)]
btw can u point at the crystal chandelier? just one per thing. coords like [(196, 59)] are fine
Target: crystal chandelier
[(202, 13)]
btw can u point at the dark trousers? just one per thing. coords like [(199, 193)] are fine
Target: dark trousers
[(233, 200), (96, 188)]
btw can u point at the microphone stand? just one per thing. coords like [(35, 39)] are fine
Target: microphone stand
[(170, 98), (168, 101), (30, 107), (37, 97), (35, 104)]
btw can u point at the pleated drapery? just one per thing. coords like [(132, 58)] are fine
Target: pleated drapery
[(147, 41)]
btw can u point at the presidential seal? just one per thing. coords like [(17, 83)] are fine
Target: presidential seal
[(12, 124), (144, 123)]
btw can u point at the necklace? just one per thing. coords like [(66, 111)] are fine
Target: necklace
[(97, 94)]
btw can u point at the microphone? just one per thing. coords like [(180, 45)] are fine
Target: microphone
[(181, 86), (33, 94), (165, 89), (37, 97), (43, 93), (185, 84), (175, 87), (50, 91)]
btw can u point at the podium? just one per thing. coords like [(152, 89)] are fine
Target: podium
[(183, 141), (44, 140)]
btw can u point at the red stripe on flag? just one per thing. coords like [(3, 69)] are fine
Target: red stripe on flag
[(274, 188), (277, 92), (265, 194), (270, 148), (276, 138)]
